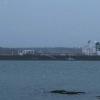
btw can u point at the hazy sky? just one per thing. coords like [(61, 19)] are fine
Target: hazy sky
[(49, 23)]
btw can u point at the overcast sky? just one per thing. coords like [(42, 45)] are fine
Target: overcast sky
[(49, 23)]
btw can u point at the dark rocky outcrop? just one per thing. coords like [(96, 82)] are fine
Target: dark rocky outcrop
[(66, 92), (98, 97)]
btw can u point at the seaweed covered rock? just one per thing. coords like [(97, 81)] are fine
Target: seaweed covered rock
[(98, 97), (67, 92)]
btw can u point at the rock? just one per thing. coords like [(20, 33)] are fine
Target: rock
[(59, 91), (98, 97), (67, 92)]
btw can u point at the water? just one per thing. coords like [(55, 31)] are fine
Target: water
[(32, 80)]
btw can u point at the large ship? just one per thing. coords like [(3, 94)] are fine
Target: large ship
[(91, 52)]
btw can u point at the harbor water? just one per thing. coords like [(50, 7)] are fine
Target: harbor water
[(33, 80)]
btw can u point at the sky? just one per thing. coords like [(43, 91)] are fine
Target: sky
[(49, 23)]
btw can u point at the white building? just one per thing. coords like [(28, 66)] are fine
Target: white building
[(26, 52), (89, 49), (97, 46)]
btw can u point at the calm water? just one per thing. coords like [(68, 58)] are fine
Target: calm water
[(32, 80)]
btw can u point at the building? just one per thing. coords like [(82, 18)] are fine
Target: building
[(97, 46), (91, 49)]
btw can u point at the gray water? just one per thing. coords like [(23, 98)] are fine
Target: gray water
[(32, 80)]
